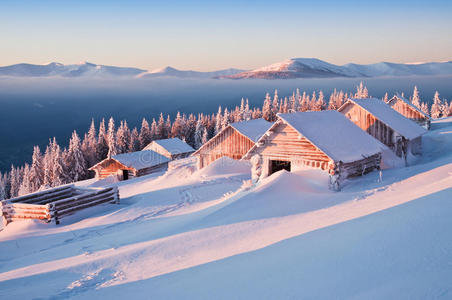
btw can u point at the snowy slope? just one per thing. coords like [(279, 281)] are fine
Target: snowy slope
[(315, 68), (211, 234)]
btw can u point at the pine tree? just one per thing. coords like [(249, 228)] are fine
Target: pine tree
[(102, 142), (205, 136), (267, 111), (435, 111), (177, 128), (111, 137), (36, 171), (424, 108), (199, 134), (225, 120), (145, 132), (2, 186), (321, 105), (58, 173), (47, 163), (134, 143), (123, 137), (25, 183), (385, 98), (90, 146), (154, 130), (247, 113), (415, 100), (167, 127), (218, 120), (74, 159), (275, 105), (14, 179)]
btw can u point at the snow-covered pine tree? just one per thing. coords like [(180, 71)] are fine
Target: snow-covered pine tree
[(160, 127), (321, 105), (275, 105), (445, 109), (415, 100), (24, 187), (90, 145), (75, 161), (134, 143), (122, 138), (435, 111), (14, 181), (313, 102), (154, 130), (199, 130), (59, 176), (102, 142), (205, 136), (111, 137), (145, 132), (225, 120), (167, 127), (218, 120), (267, 111), (385, 98), (36, 170), (247, 113), (47, 163), (177, 128)]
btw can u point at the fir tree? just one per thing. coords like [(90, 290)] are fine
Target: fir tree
[(58, 174), (415, 100), (218, 120), (75, 161), (111, 137), (145, 133), (198, 134), (14, 179), (205, 136), (134, 143), (177, 128), (25, 183), (435, 111), (267, 111), (102, 142), (36, 171), (225, 120)]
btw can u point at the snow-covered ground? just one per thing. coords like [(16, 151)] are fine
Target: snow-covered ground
[(210, 234)]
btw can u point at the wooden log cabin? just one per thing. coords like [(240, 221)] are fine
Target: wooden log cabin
[(322, 139), (173, 148), (378, 119), (129, 165), (409, 111), (233, 141)]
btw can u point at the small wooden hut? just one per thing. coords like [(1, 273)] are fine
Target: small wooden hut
[(318, 139), (233, 141), (409, 111), (378, 119), (129, 165), (171, 148)]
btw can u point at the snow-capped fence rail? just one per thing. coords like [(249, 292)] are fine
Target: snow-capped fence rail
[(53, 204)]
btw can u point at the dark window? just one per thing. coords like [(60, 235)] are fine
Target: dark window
[(125, 174), (276, 165)]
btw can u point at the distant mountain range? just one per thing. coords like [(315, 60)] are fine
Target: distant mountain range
[(315, 68), (291, 68)]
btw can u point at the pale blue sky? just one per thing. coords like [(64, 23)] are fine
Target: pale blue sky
[(208, 35)]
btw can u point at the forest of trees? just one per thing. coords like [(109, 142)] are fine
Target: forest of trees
[(55, 166)]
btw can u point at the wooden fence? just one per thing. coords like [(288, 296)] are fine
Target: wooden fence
[(53, 204)]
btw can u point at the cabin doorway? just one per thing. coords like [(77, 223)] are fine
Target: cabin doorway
[(125, 174), (277, 165)]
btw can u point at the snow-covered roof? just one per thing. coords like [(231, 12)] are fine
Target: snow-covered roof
[(252, 129), (390, 117), (138, 160), (400, 97), (334, 134), (173, 146)]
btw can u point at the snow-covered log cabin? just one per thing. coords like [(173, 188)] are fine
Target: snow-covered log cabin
[(409, 111), (318, 139), (129, 165), (171, 148), (378, 119), (233, 141)]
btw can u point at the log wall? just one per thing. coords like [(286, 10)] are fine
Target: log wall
[(409, 112), (228, 143), (55, 203)]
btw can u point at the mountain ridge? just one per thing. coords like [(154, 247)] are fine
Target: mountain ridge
[(287, 69)]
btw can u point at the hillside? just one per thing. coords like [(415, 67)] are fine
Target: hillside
[(211, 234)]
